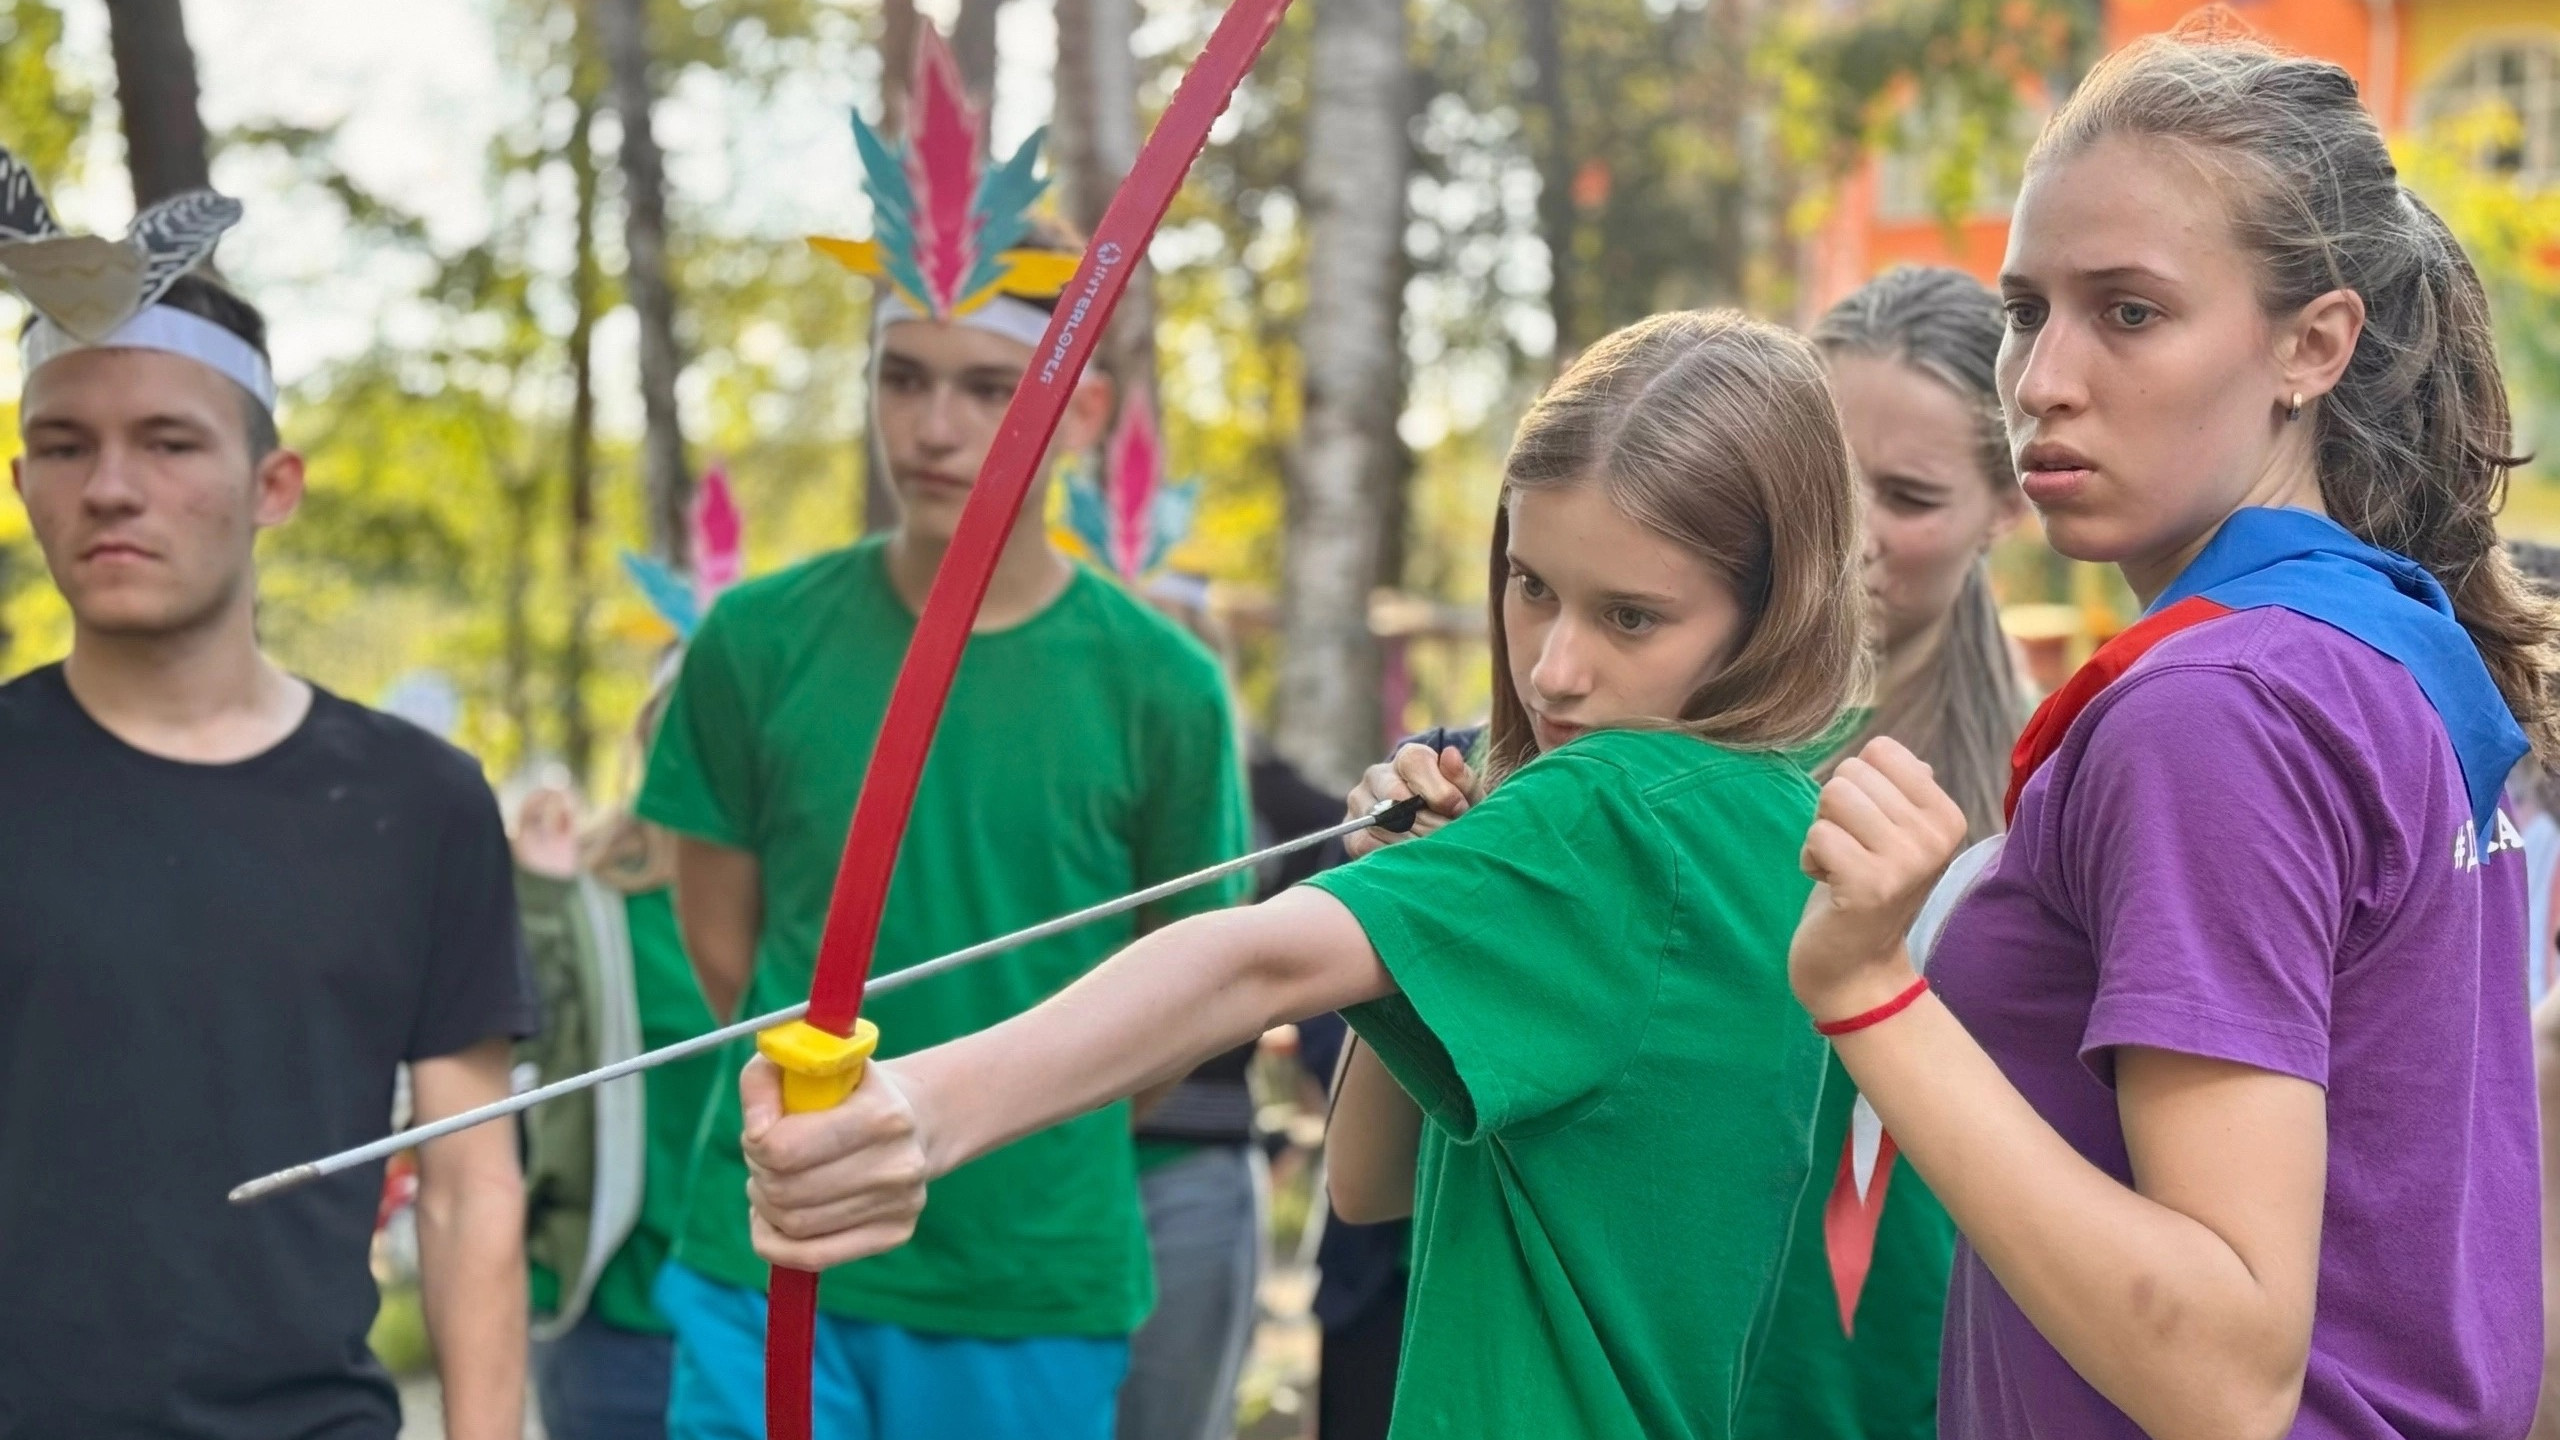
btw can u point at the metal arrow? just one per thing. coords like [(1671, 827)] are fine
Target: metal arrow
[(1389, 814)]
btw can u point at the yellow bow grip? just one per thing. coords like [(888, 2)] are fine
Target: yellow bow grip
[(819, 1068)]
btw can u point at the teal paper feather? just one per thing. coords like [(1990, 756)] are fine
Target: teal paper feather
[(668, 593), (1174, 508), (1169, 516), (1003, 203), (1088, 513), (893, 204)]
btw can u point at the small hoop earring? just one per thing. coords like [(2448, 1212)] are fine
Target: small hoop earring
[(2293, 412)]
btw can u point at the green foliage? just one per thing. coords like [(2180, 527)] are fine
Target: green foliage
[(2512, 232), (43, 116), (1700, 140), (34, 625), (1943, 80), (43, 112), (399, 1338)]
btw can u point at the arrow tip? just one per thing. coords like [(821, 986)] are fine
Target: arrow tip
[(282, 1180)]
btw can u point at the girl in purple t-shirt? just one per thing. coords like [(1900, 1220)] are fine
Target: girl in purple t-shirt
[(2226, 1076)]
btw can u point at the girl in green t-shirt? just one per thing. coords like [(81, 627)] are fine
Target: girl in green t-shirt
[(1580, 981), (1852, 1352)]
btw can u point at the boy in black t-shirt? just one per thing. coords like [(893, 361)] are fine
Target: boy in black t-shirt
[(230, 905)]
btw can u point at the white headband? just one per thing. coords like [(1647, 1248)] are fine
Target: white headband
[(1013, 318), (165, 328)]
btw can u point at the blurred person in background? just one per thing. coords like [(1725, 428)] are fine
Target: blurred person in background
[(606, 1171), (1912, 356), (2533, 796), (1201, 1174)]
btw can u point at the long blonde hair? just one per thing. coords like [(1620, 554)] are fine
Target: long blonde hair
[(1962, 707), (1718, 433)]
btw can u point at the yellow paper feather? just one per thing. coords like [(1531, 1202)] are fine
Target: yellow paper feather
[(862, 257)]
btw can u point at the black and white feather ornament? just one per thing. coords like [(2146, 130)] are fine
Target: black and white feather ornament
[(87, 284)]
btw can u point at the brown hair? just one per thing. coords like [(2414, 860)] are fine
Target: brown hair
[(1718, 433), (2414, 445), (1961, 709)]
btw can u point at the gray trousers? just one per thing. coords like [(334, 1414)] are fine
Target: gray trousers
[(1205, 1224)]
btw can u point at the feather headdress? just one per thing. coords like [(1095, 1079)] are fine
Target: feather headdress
[(88, 284), (1127, 518), (943, 222), (89, 291), (719, 530)]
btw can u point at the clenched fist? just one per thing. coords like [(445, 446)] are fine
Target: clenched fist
[(832, 1185), (1881, 838)]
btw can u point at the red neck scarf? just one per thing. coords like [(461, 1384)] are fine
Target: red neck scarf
[(2053, 718), (1849, 1219)]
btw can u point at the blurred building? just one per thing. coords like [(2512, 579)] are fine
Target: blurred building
[(2414, 59)]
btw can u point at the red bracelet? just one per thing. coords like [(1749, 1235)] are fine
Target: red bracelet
[(1877, 1016)]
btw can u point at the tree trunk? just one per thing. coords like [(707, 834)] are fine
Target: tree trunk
[(1094, 135), (973, 44), (156, 89), (1392, 478), (1353, 186), (1072, 164), (1728, 86), (898, 25), (577, 733), (1096, 131), (1543, 24), (518, 490), (622, 27)]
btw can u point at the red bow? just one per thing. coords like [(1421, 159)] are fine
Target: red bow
[(951, 608)]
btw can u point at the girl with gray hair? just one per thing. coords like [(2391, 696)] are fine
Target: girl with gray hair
[(1853, 1353), (1911, 355)]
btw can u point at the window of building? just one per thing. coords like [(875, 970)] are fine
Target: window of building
[(2521, 75)]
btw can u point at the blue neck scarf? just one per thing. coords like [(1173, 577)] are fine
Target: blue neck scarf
[(2315, 567)]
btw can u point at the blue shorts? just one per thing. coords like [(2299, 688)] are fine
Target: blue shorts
[(882, 1382)]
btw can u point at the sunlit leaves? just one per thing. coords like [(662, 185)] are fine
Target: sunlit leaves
[(43, 111), (2511, 230)]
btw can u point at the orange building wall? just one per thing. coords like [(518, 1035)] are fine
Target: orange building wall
[(2362, 35), (1854, 246), (2368, 37)]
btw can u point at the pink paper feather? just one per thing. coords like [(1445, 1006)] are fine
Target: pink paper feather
[(1136, 469), (942, 166), (719, 532)]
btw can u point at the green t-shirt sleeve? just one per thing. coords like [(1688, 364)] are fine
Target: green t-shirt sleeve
[(1527, 942), (702, 769), (1195, 813)]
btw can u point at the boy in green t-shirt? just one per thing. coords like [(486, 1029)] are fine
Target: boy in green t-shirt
[(1602, 1089), (1087, 750)]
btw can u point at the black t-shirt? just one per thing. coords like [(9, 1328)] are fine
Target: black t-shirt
[(208, 972)]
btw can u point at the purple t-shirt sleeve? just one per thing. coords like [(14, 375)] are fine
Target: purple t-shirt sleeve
[(2208, 843)]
